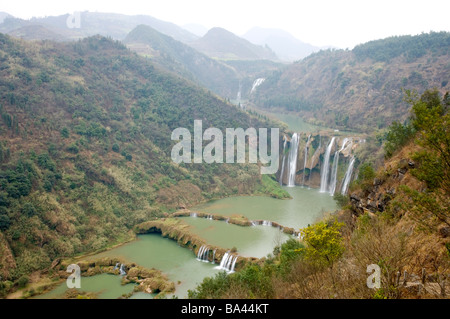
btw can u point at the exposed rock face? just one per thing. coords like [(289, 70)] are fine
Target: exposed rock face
[(376, 198)]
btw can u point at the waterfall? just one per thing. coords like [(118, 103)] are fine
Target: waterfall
[(193, 214), (214, 256), (348, 176), (210, 217), (202, 254), (306, 159), (314, 156), (267, 223), (334, 170), (228, 262), (238, 97), (116, 266), (257, 83), (325, 168), (282, 162), (292, 159), (122, 271)]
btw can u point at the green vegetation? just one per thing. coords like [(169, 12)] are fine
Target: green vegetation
[(397, 136), (85, 151), (411, 47), (431, 120)]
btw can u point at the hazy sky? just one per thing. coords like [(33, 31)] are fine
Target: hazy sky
[(340, 23)]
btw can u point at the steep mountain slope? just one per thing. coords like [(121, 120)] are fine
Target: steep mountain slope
[(284, 44), (86, 143), (361, 88), (114, 25), (184, 60), (222, 44)]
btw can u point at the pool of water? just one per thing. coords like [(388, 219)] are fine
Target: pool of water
[(254, 241), (106, 286), (180, 264), (305, 207)]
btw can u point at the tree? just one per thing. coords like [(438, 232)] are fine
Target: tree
[(324, 242), (397, 136), (431, 120)]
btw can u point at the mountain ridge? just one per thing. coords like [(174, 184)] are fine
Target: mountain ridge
[(223, 44)]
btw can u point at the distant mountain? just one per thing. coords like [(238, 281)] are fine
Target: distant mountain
[(361, 88), (37, 32), (114, 25), (285, 45), (222, 44), (184, 60), (4, 15), (196, 29)]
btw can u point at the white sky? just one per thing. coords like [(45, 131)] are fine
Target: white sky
[(340, 23)]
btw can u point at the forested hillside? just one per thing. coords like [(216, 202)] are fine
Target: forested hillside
[(85, 148), (362, 88)]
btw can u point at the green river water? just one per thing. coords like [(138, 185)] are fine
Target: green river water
[(181, 265)]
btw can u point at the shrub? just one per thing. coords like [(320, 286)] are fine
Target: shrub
[(23, 281)]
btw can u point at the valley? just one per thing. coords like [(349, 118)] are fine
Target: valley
[(91, 118)]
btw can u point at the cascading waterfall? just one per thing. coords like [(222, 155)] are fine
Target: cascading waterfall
[(282, 162), (257, 83), (228, 262), (122, 270), (326, 167), (193, 214), (202, 254), (348, 176), (306, 158), (314, 156), (214, 256), (267, 223), (238, 97), (333, 181), (292, 159)]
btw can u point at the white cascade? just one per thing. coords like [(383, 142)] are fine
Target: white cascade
[(202, 254), (306, 159), (267, 223), (282, 162), (348, 176), (257, 83), (238, 97), (326, 167), (292, 159), (314, 157), (334, 169), (193, 214), (228, 262), (122, 270)]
